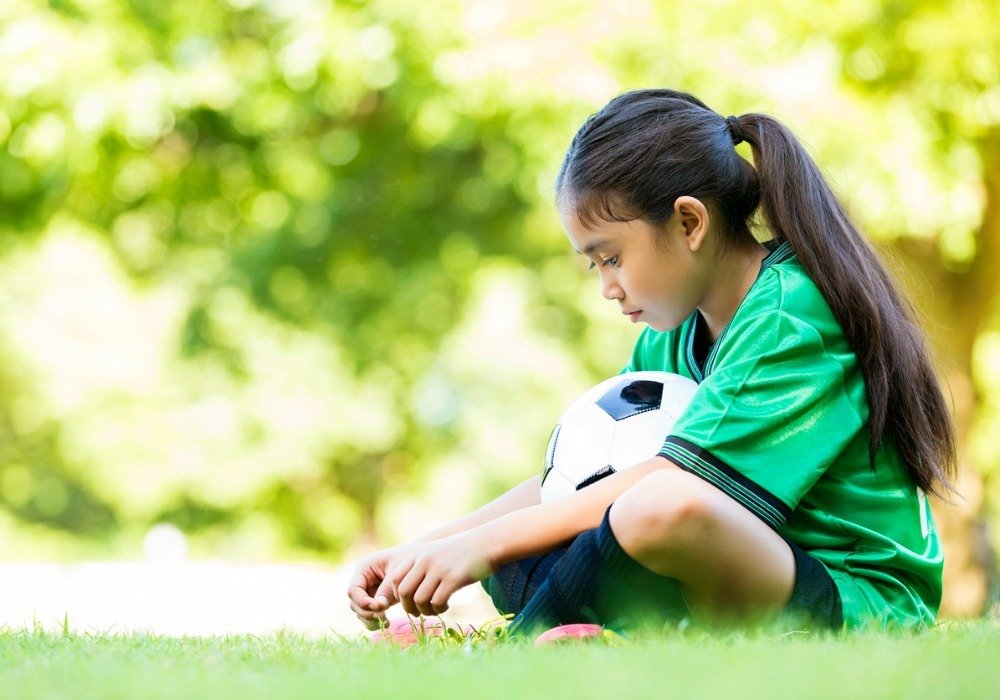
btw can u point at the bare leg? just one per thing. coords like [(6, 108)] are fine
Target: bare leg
[(729, 563)]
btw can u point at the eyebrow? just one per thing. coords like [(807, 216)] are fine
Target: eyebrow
[(601, 243)]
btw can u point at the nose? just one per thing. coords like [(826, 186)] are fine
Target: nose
[(610, 289)]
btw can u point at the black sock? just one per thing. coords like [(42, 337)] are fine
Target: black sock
[(597, 581), (567, 589), (514, 583)]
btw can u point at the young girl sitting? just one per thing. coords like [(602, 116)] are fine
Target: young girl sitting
[(794, 483)]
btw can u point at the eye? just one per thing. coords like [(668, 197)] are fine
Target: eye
[(610, 262)]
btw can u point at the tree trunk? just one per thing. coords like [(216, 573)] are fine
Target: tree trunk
[(954, 308)]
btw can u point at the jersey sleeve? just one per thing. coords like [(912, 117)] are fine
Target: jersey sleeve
[(770, 418)]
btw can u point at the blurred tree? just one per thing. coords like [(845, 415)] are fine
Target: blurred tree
[(312, 200), (301, 155)]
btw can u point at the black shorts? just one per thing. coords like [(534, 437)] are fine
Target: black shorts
[(814, 596), (814, 600)]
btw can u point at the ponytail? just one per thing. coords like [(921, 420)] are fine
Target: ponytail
[(798, 206), (646, 148)]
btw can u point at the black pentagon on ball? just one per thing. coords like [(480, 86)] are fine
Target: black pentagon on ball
[(631, 397)]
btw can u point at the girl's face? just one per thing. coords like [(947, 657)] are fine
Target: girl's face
[(652, 272)]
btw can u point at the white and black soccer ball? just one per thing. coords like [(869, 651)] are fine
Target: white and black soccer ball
[(620, 422)]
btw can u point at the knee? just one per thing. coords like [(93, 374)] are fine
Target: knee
[(666, 513)]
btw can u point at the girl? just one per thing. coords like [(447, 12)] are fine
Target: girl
[(795, 480)]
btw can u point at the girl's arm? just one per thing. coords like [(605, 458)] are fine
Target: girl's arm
[(547, 526), (525, 494), (426, 577)]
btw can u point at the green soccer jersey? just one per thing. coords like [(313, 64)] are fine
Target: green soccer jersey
[(780, 424)]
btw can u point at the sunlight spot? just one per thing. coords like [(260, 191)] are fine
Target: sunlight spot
[(165, 543)]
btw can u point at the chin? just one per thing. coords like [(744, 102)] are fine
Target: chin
[(662, 327)]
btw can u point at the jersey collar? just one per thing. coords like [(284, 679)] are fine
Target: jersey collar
[(780, 252)]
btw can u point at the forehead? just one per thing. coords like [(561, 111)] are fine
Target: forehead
[(601, 235)]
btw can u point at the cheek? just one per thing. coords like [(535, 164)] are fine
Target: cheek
[(676, 301)]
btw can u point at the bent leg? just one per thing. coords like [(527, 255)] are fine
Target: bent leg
[(596, 581), (729, 563), (515, 583)]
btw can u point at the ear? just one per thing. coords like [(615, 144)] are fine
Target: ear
[(693, 218)]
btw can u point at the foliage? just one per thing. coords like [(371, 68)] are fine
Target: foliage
[(288, 202), (285, 273)]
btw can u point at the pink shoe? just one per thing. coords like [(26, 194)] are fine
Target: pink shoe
[(406, 631), (571, 633)]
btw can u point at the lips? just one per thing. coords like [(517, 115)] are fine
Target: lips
[(633, 316)]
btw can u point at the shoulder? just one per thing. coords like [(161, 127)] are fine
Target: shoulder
[(799, 296), (786, 287), (784, 307)]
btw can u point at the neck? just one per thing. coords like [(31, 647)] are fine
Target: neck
[(734, 275)]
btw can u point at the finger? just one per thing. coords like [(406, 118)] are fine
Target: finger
[(440, 598), (360, 614), (361, 597), (361, 576), (373, 623), (408, 586), (384, 597), (364, 612), (360, 586), (395, 577), (369, 619), (398, 572), (424, 593), (361, 610)]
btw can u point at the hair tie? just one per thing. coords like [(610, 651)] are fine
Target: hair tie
[(733, 124)]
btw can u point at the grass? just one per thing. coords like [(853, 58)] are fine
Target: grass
[(957, 660)]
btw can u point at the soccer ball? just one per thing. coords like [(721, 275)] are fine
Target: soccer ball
[(620, 422)]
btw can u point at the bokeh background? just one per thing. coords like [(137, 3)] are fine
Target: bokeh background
[(281, 280)]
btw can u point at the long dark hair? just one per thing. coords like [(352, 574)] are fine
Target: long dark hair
[(646, 148)]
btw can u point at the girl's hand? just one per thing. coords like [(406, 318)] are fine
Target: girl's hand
[(370, 593), (431, 572)]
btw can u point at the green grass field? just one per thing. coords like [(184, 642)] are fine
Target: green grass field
[(950, 661)]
